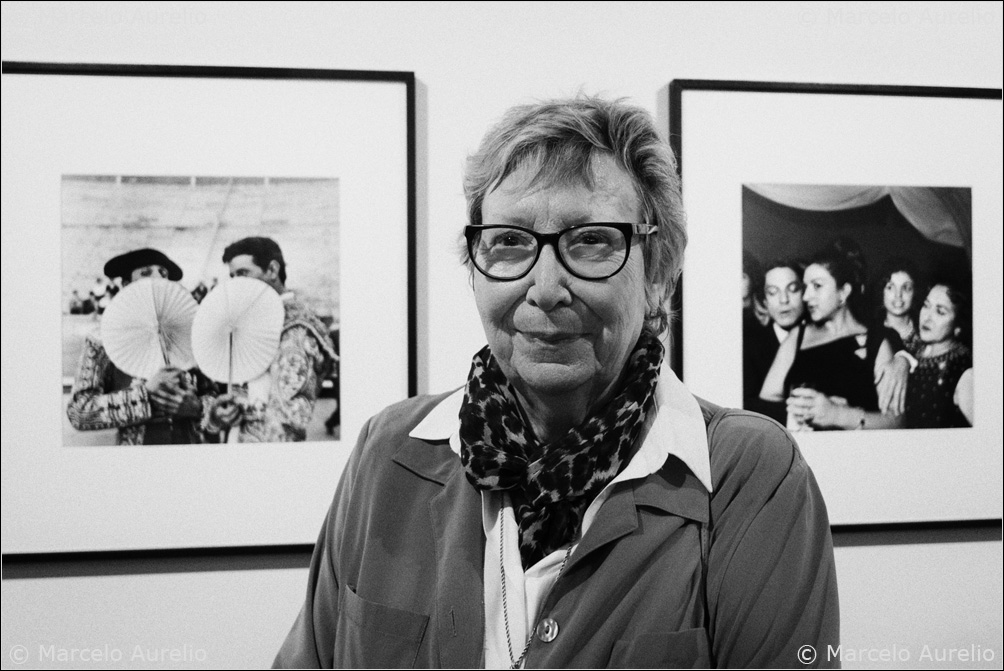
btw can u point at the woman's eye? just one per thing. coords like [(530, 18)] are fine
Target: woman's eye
[(506, 239), (590, 237), (511, 240)]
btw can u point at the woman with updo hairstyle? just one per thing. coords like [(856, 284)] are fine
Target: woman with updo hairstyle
[(940, 392), (826, 373), (898, 294)]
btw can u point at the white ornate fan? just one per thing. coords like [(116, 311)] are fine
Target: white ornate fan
[(148, 325), (235, 335)]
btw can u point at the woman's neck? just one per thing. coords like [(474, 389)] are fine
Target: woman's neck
[(933, 349), (551, 416), (841, 323), (902, 323)]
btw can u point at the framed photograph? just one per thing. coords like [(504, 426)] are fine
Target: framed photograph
[(839, 234), (133, 194)]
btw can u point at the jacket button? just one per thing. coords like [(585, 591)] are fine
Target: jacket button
[(547, 630)]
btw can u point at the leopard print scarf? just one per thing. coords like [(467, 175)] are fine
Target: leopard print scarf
[(551, 484)]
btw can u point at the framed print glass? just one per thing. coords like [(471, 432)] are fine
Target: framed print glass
[(131, 195), (845, 252)]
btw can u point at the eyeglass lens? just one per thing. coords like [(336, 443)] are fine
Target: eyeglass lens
[(592, 252)]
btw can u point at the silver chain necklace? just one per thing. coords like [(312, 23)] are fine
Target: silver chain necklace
[(516, 663)]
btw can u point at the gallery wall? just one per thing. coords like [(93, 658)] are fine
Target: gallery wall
[(939, 587)]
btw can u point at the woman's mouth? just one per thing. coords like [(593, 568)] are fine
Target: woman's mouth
[(549, 337)]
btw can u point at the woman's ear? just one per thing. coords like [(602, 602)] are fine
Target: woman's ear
[(845, 292)]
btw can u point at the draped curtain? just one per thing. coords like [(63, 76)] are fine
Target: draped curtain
[(942, 215)]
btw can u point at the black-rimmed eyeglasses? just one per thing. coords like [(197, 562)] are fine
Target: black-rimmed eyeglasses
[(593, 251)]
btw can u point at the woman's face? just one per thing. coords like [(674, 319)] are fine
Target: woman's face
[(898, 294), (553, 334), (823, 298), (937, 316)]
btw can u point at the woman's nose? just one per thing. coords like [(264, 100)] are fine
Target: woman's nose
[(549, 281)]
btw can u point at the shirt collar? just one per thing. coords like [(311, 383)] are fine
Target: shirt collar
[(675, 428), (780, 332)]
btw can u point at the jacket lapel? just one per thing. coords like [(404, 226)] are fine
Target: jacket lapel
[(673, 490), (616, 518)]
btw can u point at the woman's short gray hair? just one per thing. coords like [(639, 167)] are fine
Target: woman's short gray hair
[(561, 138)]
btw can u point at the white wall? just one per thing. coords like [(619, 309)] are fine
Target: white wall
[(473, 61)]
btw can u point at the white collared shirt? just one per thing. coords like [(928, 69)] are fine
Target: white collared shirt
[(675, 427), (780, 332)]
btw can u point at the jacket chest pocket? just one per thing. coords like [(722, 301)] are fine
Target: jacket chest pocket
[(371, 635), (687, 649)]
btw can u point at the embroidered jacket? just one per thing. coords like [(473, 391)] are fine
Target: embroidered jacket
[(103, 397), (278, 406)]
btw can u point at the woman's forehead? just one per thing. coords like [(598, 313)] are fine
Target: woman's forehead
[(939, 296), (567, 166), (522, 193), (815, 271)]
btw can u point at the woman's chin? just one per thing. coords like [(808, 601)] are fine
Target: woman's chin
[(557, 382), (554, 378)]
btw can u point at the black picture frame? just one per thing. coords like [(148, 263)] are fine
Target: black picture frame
[(727, 134), (309, 111)]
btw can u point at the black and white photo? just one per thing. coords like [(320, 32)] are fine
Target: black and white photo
[(117, 229), (857, 308)]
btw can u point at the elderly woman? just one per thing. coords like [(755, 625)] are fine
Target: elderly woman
[(573, 505)]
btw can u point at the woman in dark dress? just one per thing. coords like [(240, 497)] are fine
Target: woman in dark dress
[(940, 392), (826, 373)]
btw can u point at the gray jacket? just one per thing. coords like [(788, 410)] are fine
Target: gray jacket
[(667, 576)]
